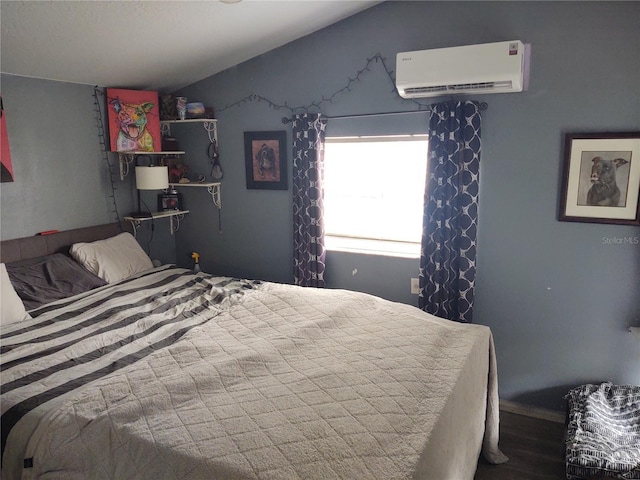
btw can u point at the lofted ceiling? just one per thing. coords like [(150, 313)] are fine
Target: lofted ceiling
[(154, 45)]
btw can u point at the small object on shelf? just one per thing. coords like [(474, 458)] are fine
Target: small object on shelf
[(177, 169), (195, 110), (181, 107), (47, 232), (170, 144), (196, 257), (168, 108), (171, 200)]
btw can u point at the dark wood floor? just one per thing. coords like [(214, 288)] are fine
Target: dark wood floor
[(535, 449)]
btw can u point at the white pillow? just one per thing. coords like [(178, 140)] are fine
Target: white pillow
[(113, 259), (12, 308)]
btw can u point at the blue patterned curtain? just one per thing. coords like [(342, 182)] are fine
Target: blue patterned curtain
[(308, 203), (448, 256)]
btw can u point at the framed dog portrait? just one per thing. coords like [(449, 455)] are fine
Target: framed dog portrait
[(134, 120), (601, 179), (266, 160)]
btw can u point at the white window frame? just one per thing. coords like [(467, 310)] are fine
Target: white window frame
[(371, 246)]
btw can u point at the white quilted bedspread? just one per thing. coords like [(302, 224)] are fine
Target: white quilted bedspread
[(290, 383)]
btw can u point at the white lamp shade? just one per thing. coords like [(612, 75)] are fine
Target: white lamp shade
[(152, 178)]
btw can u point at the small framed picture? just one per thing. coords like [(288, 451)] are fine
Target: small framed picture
[(601, 179), (266, 160), (169, 201)]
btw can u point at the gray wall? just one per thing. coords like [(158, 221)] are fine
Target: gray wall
[(556, 295), (62, 179)]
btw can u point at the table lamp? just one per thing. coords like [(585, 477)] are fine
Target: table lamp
[(150, 178)]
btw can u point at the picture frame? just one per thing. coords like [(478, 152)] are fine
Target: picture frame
[(169, 201), (266, 160), (6, 167), (134, 120), (601, 178)]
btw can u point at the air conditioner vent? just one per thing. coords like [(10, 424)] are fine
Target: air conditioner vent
[(441, 88), (461, 87), (482, 86)]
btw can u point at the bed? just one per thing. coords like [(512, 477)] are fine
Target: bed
[(164, 373)]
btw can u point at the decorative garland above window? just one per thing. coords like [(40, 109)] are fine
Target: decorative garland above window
[(315, 105)]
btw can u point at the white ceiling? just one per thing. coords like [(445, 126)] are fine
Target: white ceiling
[(154, 45)]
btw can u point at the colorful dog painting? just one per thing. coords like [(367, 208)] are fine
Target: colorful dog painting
[(134, 123)]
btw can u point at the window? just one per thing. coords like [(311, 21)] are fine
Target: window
[(374, 191)]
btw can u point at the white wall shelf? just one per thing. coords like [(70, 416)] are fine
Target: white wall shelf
[(174, 216), (212, 188), (209, 124), (189, 120), (127, 158), (141, 152)]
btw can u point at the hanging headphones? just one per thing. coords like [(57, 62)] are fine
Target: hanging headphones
[(214, 157)]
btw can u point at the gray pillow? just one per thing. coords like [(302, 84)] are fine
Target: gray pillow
[(42, 280)]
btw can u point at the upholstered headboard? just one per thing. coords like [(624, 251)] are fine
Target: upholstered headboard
[(39, 245)]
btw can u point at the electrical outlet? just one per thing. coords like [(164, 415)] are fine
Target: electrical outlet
[(415, 286)]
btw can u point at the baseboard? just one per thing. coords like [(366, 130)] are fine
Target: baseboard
[(529, 411)]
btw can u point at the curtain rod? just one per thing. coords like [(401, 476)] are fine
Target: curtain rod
[(285, 120)]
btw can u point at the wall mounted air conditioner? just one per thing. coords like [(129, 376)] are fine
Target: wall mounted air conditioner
[(486, 68)]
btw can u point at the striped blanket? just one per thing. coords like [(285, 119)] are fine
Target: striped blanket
[(603, 432), (71, 343), (176, 375)]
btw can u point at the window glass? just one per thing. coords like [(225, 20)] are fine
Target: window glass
[(374, 190)]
